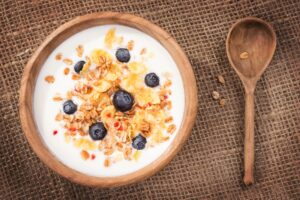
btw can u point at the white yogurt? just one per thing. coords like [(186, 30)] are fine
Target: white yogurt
[(45, 109)]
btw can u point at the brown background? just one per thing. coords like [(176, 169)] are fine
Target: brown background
[(210, 164)]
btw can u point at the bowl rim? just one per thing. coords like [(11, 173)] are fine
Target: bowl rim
[(70, 28)]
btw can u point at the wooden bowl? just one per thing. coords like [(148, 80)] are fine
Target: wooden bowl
[(35, 63)]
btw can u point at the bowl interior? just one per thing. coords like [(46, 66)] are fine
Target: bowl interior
[(33, 69)]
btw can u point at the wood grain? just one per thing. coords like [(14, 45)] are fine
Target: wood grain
[(250, 46), (35, 63)]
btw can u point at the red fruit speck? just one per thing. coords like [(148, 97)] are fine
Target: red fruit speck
[(165, 96), (55, 132), (116, 124), (93, 156), (120, 128), (72, 129)]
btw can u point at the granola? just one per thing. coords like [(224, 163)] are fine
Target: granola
[(95, 120)]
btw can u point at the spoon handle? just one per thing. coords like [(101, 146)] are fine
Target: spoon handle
[(249, 138)]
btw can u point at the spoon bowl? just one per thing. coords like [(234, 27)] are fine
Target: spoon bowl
[(250, 46), (255, 37)]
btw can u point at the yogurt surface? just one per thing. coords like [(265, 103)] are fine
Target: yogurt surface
[(45, 109)]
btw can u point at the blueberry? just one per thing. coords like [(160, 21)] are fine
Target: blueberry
[(152, 80), (69, 107), (139, 142), (123, 100), (78, 66), (97, 131), (123, 55)]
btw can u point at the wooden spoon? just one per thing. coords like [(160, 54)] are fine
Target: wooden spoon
[(250, 46)]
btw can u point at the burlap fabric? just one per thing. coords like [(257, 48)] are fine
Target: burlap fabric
[(210, 164)]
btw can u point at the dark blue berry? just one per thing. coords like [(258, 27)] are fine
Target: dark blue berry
[(151, 80), (123, 55), (69, 107), (123, 100), (78, 66), (139, 142), (97, 131)]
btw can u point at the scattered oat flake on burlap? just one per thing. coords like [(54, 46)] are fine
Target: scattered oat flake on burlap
[(221, 79), (215, 95), (222, 102)]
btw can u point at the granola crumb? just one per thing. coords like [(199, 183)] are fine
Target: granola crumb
[(143, 51), (67, 61), (120, 40), (75, 77), (222, 102), (167, 75), (169, 105), (168, 83), (58, 56), (221, 79), (66, 71), (130, 45), (127, 153), (169, 119), (107, 162), (50, 79), (84, 155), (57, 98), (171, 128), (215, 95), (244, 55), (79, 50), (69, 95), (59, 116)]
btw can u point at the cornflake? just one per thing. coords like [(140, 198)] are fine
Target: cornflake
[(110, 37)]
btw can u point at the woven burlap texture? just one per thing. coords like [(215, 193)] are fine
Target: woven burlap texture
[(211, 163)]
